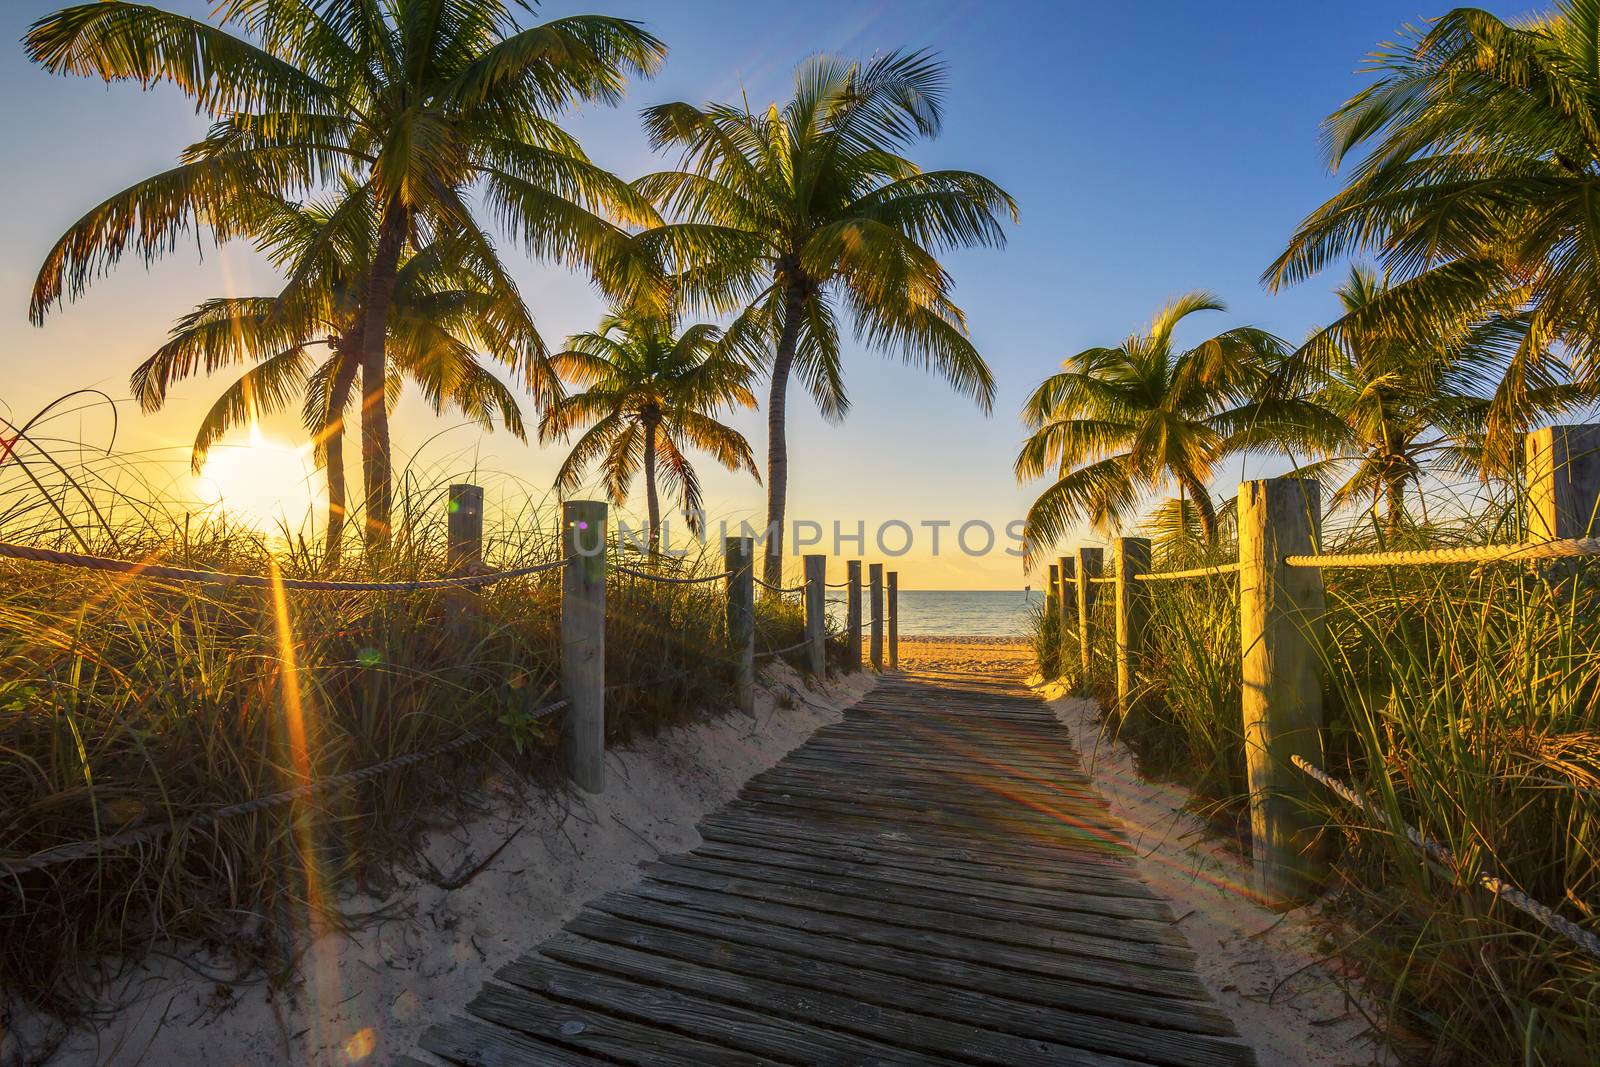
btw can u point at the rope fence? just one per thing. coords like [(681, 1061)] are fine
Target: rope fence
[(1281, 613), (1563, 548), (80, 850), (1584, 939), (780, 588), (141, 569), (583, 620), (668, 579), (1193, 572)]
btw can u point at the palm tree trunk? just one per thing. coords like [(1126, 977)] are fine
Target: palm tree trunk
[(376, 456), (652, 501), (777, 442), (1395, 493), (333, 439), (1202, 504)]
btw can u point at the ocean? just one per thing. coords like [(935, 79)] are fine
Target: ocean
[(966, 613)]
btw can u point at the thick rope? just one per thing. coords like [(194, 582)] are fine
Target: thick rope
[(256, 581), (782, 651), (1562, 549), (88, 849), (779, 588), (669, 580), (1584, 939), (1194, 572)]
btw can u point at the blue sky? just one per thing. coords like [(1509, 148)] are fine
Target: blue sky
[(1154, 148)]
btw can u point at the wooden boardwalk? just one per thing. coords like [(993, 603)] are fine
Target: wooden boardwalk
[(931, 880)]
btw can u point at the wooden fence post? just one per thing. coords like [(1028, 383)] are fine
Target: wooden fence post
[(583, 640), (852, 570), (1131, 558), (1067, 607), (464, 528), (1563, 482), (1089, 561), (738, 555), (894, 619), (1050, 657), (875, 586), (816, 613), (1280, 613)]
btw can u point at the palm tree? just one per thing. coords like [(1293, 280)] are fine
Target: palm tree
[(1117, 424), (1478, 148), (1411, 409), (442, 311), (799, 213), (650, 394), (415, 101)]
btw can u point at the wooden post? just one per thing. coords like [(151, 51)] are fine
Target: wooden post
[(1130, 557), (852, 571), (583, 640), (1563, 482), (1067, 609), (1089, 561), (1280, 613), (816, 613), (875, 585), (1050, 625), (894, 620), (738, 554), (464, 529)]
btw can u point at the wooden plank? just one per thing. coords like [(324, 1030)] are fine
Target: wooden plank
[(854, 1003), (1151, 919), (475, 1043), (623, 911), (887, 909), (759, 1032), (938, 942), (892, 862), (616, 1038), (933, 879), (926, 842), (1056, 896)]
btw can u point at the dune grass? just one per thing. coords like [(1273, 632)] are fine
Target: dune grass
[(130, 702), (1463, 700)]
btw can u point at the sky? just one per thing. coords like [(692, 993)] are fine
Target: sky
[(1154, 148)]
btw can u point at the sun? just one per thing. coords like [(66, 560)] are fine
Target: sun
[(266, 483)]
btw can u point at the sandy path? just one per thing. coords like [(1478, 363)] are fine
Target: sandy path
[(367, 998)]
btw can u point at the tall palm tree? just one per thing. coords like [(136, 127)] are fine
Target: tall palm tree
[(1478, 148), (1412, 408), (442, 313), (795, 214), (649, 395), (416, 101), (1118, 424)]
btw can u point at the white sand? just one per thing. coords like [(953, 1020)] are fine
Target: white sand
[(1268, 970), (369, 997)]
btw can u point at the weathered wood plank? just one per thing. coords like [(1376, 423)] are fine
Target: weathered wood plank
[(855, 1004), (621, 912), (930, 880), (958, 946), (1010, 931), (988, 1007), (475, 1043), (760, 1032)]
